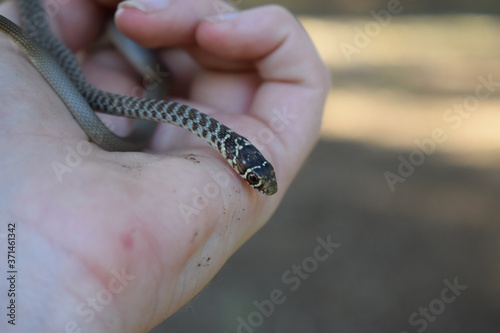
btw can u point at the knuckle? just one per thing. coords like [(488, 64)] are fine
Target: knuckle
[(280, 12)]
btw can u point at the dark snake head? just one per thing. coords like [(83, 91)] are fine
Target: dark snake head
[(255, 169)]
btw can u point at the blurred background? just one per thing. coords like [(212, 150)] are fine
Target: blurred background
[(405, 182)]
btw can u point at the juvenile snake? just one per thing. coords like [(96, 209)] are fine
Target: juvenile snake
[(61, 70)]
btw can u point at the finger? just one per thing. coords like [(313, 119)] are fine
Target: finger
[(160, 23), (290, 102), (225, 92), (108, 70), (76, 23), (268, 36)]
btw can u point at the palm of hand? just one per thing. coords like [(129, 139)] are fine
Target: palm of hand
[(104, 234)]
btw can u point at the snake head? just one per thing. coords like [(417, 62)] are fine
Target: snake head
[(262, 178), (255, 169)]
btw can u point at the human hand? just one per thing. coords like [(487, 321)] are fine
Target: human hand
[(119, 241)]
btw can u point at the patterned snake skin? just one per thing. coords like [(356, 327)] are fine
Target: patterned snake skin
[(60, 68)]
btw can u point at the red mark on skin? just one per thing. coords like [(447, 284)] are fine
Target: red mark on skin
[(127, 240)]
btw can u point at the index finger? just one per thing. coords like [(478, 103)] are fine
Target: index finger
[(290, 101), (156, 24)]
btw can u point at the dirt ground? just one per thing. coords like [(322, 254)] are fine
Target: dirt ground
[(420, 257)]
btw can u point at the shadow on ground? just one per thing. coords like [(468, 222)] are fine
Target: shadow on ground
[(396, 252)]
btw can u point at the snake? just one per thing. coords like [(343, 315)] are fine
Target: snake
[(60, 68)]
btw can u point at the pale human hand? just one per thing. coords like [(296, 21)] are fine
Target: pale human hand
[(117, 242)]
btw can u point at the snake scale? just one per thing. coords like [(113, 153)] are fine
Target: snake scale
[(57, 64)]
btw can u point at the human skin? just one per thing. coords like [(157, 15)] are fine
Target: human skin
[(122, 240)]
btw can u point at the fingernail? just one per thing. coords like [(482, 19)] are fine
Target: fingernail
[(222, 17), (146, 6)]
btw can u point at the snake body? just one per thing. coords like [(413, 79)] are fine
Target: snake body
[(61, 70)]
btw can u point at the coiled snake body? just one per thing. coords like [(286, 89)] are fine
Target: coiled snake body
[(61, 70)]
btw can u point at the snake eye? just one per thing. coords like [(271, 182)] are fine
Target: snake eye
[(252, 179)]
